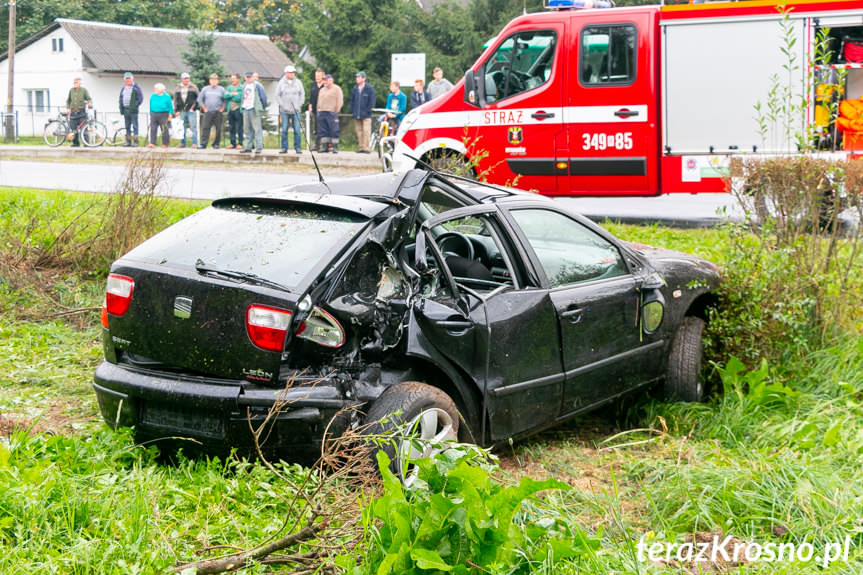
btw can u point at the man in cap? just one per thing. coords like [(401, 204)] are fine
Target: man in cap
[(211, 101), (362, 102), (186, 105), (290, 95), (234, 98), (330, 102), (254, 106), (131, 97)]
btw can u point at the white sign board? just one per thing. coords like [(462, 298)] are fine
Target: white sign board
[(408, 67)]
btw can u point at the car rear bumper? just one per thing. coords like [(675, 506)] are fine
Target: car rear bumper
[(219, 412)]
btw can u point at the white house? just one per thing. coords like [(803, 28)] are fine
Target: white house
[(100, 53)]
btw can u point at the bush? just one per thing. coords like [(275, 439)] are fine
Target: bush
[(791, 274)]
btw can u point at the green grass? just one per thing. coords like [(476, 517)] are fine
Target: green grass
[(770, 464), (98, 504), (775, 458)]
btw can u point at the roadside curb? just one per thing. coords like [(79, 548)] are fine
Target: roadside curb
[(220, 156)]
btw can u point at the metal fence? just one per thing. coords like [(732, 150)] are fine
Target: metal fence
[(31, 123)]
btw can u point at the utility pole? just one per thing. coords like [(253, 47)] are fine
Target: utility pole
[(10, 100)]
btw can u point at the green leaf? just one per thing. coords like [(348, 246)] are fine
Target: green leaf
[(428, 559), (832, 437), (387, 564)]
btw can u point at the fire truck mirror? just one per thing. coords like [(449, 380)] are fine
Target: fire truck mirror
[(472, 89)]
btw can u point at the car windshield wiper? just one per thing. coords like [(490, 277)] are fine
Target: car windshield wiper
[(242, 277)]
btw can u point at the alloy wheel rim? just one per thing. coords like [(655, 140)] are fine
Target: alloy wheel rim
[(424, 436)]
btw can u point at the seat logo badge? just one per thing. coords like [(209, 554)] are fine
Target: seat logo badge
[(515, 135), (182, 307)]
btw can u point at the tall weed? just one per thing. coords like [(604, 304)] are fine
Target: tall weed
[(84, 232), (793, 271)]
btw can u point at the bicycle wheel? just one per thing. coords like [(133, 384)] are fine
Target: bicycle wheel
[(119, 138), (373, 142), (383, 132), (55, 133), (93, 133)]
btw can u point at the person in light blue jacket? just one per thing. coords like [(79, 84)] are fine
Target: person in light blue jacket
[(396, 103), (161, 110)]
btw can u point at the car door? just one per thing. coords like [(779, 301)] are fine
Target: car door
[(521, 120), (479, 314), (596, 300), (611, 111)]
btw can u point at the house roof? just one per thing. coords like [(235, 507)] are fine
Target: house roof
[(116, 48)]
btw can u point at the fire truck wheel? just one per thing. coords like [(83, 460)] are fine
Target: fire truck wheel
[(451, 162)]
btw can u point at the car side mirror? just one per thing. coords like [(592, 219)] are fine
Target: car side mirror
[(472, 89), (652, 310)]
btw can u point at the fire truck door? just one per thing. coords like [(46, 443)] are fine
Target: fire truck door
[(610, 110), (522, 117)]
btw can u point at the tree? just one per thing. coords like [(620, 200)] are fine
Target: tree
[(272, 18), (33, 15), (202, 58), (349, 35)]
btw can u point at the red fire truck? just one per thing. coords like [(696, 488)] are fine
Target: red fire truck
[(642, 100)]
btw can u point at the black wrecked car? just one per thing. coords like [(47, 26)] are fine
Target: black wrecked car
[(479, 312)]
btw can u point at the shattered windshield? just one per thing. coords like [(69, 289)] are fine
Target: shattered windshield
[(279, 243)]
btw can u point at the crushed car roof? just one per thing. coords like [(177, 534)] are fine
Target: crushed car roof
[(376, 189)]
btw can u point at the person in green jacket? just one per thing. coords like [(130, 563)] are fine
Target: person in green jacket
[(234, 98), (77, 103), (161, 110)]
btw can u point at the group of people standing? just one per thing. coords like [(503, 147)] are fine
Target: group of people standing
[(246, 104), (362, 102)]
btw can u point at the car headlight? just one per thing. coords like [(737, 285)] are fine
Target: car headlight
[(408, 121)]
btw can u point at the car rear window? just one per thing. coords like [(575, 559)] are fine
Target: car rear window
[(277, 242)]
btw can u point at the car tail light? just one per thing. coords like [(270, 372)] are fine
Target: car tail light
[(268, 326), (118, 296), (322, 328)]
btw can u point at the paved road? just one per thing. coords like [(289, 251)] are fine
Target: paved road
[(185, 182), (215, 181)]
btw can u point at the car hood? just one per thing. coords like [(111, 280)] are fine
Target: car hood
[(678, 264)]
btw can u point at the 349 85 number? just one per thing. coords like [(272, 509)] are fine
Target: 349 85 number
[(618, 141)]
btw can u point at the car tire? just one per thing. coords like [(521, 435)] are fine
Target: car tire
[(682, 382), (410, 404)]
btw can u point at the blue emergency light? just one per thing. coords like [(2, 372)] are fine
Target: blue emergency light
[(578, 4)]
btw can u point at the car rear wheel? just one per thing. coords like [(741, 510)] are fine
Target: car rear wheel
[(420, 418), (682, 382)]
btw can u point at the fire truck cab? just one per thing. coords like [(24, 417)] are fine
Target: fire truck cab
[(638, 100)]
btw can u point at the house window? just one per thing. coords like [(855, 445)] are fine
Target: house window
[(38, 100), (56, 44)]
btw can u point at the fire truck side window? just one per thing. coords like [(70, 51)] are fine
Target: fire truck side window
[(608, 54), (522, 62)]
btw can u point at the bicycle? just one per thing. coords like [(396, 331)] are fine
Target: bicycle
[(383, 128), (119, 136), (92, 133)]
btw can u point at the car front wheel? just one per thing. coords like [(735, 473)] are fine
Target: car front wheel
[(682, 382), (419, 418)]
